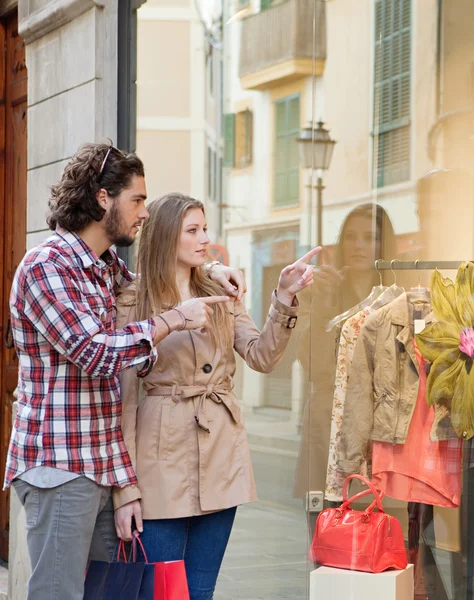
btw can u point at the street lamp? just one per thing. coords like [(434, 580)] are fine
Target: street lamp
[(316, 148)]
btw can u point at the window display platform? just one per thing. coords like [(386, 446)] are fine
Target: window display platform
[(327, 583)]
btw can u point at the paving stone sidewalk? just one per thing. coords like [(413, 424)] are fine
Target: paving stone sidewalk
[(266, 556)]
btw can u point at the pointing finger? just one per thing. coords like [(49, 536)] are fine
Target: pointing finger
[(309, 255), (215, 299)]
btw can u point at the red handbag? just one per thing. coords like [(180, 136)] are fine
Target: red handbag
[(359, 540)]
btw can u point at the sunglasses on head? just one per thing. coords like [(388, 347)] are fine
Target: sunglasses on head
[(104, 162)]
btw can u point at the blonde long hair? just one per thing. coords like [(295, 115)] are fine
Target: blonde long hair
[(156, 289)]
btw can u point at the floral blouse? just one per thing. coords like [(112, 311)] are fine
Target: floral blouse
[(349, 334)]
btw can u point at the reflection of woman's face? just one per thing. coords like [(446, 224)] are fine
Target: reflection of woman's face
[(358, 244)]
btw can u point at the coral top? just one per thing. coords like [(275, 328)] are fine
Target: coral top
[(419, 470)]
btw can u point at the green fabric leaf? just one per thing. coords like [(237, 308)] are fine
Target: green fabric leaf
[(462, 406), (442, 378), (443, 299), (436, 338), (464, 294)]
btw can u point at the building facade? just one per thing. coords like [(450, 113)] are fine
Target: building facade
[(179, 101)]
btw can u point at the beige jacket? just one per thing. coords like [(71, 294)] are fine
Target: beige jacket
[(383, 386), (186, 437)]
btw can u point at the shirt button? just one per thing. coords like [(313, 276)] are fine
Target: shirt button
[(207, 368)]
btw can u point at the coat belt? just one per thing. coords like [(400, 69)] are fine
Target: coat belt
[(217, 392)]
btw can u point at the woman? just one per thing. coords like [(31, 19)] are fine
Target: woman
[(366, 235), (187, 438)]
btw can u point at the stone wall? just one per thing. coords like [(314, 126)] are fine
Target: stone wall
[(71, 53)]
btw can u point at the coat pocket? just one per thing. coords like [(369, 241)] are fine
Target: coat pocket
[(164, 432)]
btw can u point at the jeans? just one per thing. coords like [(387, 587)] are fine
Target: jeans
[(65, 526), (201, 541)]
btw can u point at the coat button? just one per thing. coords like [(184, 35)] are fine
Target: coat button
[(207, 368)]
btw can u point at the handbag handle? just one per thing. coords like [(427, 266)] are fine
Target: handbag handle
[(372, 490), (120, 549), (136, 538)]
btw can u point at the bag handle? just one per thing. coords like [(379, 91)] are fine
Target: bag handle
[(119, 549), (372, 490), (136, 538)]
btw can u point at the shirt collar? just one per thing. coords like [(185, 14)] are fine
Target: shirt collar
[(85, 255)]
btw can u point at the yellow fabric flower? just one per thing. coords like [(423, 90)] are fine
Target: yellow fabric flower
[(449, 345)]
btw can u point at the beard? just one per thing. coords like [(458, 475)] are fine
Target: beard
[(114, 228)]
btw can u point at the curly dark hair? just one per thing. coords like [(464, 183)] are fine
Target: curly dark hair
[(73, 203)]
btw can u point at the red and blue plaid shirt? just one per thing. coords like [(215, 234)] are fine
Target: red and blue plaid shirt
[(70, 356)]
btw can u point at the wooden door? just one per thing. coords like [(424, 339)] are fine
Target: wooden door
[(13, 168)]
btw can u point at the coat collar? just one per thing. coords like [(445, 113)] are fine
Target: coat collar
[(402, 314), (401, 311)]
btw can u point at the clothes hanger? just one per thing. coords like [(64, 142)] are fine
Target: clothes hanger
[(419, 294), (390, 293), (377, 290)]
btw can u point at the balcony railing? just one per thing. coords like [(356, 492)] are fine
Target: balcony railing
[(277, 44)]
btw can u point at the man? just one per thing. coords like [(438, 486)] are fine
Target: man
[(67, 449)]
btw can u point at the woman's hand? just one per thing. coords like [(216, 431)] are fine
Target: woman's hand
[(123, 520), (327, 281), (232, 280), (197, 312), (296, 277)]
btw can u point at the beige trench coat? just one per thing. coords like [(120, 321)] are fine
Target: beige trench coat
[(186, 436)]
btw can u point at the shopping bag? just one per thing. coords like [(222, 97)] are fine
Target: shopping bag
[(116, 580), (162, 580)]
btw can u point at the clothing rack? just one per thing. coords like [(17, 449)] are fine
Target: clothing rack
[(467, 506), (416, 265)]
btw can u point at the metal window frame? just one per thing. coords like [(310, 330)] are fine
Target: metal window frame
[(127, 22)]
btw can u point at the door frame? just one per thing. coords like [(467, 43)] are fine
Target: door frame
[(13, 206)]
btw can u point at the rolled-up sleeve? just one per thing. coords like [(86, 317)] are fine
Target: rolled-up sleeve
[(55, 307)]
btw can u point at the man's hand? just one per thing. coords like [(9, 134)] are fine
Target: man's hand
[(232, 280), (123, 520)]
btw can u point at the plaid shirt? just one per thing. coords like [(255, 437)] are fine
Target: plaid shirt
[(70, 356)]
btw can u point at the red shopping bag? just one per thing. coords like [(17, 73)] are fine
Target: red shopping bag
[(162, 580)]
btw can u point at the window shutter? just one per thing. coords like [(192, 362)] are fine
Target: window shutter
[(209, 172), (248, 136), (229, 139), (392, 77), (287, 171)]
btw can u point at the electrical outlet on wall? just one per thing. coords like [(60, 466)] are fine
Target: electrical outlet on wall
[(314, 501)]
